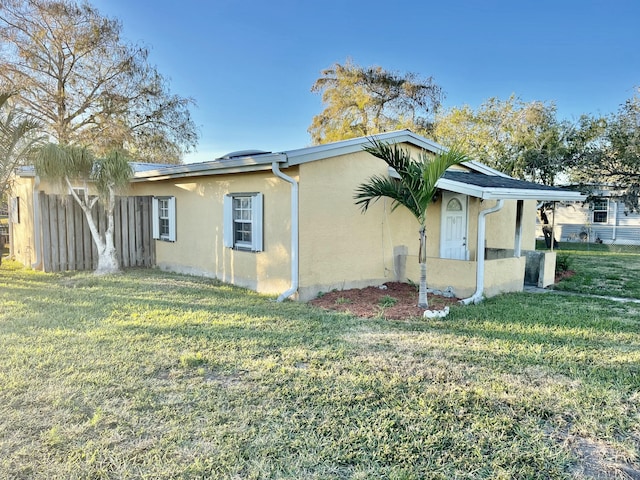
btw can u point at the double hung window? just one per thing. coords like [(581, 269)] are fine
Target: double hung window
[(164, 218), (243, 221), (600, 210)]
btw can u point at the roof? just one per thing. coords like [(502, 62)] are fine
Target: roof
[(145, 167), (503, 187), (30, 170), (256, 160), (481, 181)]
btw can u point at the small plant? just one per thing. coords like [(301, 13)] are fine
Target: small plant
[(387, 301), (190, 360), (564, 262), (342, 300), (413, 284)]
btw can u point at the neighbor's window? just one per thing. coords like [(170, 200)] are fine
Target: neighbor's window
[(600, 210), (79, 191), (243, 221), (14, 210), (164, 218)]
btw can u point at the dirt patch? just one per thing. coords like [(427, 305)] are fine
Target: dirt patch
[(393, 301), (565, 274)]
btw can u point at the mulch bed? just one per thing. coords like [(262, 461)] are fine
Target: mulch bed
[(375, 302)]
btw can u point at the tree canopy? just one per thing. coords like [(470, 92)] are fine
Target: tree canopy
[(524, 140), (74, 73), (612, 154), (363, 101)]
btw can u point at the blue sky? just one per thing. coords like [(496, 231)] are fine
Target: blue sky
[(249, 65)]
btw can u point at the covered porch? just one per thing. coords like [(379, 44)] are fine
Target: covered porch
[(490, 269)]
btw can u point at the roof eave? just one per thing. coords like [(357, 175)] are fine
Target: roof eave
[(345, 147), (27, 171), (493, 193), (215, 167)]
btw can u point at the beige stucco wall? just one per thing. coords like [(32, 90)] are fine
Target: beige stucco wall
[(199, 249), (23, 233), (340, 247), (504, 275), (501, 225), (548, 267)]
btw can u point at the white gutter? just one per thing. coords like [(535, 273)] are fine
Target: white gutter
[(275, 168), (477, 296), (37, 225), (495, 193)]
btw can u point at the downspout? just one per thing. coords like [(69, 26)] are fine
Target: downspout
[(477, 296), (37, 225), (275, 168)]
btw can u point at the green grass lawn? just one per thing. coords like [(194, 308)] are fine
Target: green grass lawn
[(153, 375), (602, 269)]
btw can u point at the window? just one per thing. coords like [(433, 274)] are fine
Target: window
[(79, 191), (14, 210), (164, 218), (600, 208), (454, 205), (243, 221)]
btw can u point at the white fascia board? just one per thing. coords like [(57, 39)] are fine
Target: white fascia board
[(458, 187), (318, 152), (482, 168), (26, 171), (523, 194), (216, 167), (491, 193)]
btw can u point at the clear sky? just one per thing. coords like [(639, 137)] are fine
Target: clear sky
[(249, 65)]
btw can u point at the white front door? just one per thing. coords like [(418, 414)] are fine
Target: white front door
[(453, 236)]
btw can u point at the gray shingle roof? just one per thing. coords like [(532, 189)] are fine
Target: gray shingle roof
[(493, 181), (499, 187)]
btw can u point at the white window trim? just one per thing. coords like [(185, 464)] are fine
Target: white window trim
[(171, 237), (606, 210), (257, 205), (81, 192)]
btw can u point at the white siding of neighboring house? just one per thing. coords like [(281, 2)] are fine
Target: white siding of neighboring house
[(574, 223)]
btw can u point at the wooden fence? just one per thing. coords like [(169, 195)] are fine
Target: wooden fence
[(66, 239)]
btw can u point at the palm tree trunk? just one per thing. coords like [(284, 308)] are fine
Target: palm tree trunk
[(422, 259), (107, 254), (108, 260)]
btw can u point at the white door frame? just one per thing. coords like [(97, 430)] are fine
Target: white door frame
[(461, 246)]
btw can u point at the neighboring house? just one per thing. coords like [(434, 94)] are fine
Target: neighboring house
[(604, 218), (4, 227), (286, 223), (8, 215)]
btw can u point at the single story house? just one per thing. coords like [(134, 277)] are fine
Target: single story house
[(604, 218), (285, 223)]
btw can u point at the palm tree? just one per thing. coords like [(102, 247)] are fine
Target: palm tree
[(64, 163), (414, 189)]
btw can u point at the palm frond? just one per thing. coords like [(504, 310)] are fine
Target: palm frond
[(377, 187), (433, 169), (114, 171), (417, 181)]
